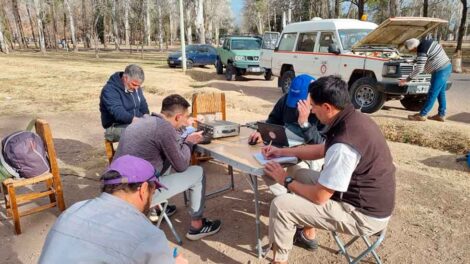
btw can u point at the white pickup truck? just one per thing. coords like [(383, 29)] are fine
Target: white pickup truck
[(365, 55)]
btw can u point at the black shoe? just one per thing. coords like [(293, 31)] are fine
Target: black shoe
[(301, 241), (209, 227), (155, 213)]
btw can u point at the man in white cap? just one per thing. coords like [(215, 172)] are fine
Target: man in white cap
[(431, 58)]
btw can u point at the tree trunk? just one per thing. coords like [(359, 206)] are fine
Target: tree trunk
[(146, 23), (425, 8), (115, 26), (199, 23), (127, 30), (360, 9), (172, 28), (3, 46), (217, 31), (289, 12), (457, 60), (337, 8), (37, 9), (283, 20), (189, 31), (72, 25), (394, 6), (54, 24), (160, 27), (259, 19), (19, 24), (28, 9)]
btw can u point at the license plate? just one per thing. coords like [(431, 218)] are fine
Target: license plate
[(172, 62), (418, 89), (254, 69)]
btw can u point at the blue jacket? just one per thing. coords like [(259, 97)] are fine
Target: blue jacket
[(117, 106)]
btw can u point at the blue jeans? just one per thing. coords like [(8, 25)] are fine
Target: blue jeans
[(437, 91)]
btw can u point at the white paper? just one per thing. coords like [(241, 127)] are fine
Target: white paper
[(259, 157)]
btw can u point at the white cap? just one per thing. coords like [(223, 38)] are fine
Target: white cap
[(412, 43)]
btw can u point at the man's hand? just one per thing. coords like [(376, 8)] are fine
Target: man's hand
[(270, 152), (275, 171), (195, 137), (255, 136), (303, 106), (181, 260), (402, 82)]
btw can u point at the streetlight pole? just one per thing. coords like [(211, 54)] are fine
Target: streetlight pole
[(183, 45)]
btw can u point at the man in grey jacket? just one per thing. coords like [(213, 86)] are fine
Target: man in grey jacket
[(155, 139)]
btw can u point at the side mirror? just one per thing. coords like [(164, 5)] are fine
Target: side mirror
[(332, 48)]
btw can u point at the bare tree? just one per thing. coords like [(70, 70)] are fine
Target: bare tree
[(189, 29), (72, 25), (28, 9), (127, 30), (462, 28), (115, 25), (53, 15), (19, 23), (337, 8), (3, 46), (39, 14), (425, 8), (394, 7), (159, 24), (199, 22), (146, 11)]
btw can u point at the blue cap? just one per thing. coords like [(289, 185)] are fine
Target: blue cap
[(298, 89)]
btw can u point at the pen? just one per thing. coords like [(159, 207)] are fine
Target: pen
[(270, 143), (175, 252)]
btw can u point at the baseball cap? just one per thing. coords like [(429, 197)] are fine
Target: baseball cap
[(298, 89), (133, 170)]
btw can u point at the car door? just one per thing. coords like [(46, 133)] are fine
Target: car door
[(212, 54), (327, 63), (305, 62), (267, 49)]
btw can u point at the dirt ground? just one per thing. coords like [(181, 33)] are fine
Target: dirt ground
[(429, 225)]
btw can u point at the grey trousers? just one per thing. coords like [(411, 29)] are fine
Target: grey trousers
[(113, 133)]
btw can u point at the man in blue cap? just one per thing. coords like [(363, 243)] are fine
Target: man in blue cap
[(293, 112), (112, 228)]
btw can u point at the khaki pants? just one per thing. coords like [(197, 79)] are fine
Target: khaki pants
[(289, 211)]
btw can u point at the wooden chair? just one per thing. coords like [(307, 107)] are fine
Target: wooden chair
[(109, 148), (210, 103), (52, 182)]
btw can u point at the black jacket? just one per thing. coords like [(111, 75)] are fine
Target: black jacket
[(287, 116), (118, 106)]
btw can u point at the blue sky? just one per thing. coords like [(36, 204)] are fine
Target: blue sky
[(237, 6)]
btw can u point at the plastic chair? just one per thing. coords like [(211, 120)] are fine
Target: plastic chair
[(51, 180), (343, 248)]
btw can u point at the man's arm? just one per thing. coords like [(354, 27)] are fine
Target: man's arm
[(178, 154), (304, 152), (113, 103), (275, 117)]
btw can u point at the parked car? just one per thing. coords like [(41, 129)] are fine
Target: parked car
[(196, 55), (365, 55), (239, 55)]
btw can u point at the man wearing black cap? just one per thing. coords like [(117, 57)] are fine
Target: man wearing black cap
[(112, 228)]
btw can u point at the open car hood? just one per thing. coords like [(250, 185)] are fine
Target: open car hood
[(395, 31)]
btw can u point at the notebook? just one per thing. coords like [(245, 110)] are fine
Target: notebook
[(260, 158), (276, 134)]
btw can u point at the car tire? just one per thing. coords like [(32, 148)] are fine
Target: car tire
[(413, 102), (189, 64), (366, 96), (268, 75), (286, 80), (219, 67), (172, 66), (229, 72)]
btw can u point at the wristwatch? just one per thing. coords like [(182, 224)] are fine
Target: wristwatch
[(288, 180), (305, 124)]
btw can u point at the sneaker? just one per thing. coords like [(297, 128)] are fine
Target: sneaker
[(417, 117), (209, 227), (155, 212), (301, 241), (437, 118)]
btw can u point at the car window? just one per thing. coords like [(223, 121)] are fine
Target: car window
[(246, 44), (349, 37), (227, 44), (211, 50), (287, 41), (326, 38), (202, 49), (270, 40), (306, 41)]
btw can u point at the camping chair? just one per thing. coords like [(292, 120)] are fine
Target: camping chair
[(52, 181), (343, 248), (204, 104)]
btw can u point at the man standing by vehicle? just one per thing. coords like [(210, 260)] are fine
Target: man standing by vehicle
[(431, 58), (122, 101)]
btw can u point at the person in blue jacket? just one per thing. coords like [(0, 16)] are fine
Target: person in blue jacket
[(122, 101)]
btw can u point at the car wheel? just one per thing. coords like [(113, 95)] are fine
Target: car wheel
[(219, 67), (229, 72), (172, 66), (413, 102), (366, 96), (189, 64), (286, 80), (268, 75)]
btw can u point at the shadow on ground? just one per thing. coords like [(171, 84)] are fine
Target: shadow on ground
[(460, 117), (447, 162)]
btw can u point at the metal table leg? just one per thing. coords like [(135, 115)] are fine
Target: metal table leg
[(254, 181)]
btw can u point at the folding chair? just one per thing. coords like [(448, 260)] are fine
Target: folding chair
[(162, 206), (51, 180), (203, 104), (343, 248)]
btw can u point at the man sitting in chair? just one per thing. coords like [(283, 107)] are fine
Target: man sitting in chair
[(113, 227), (155, 139), (122, 101), (355, 191)]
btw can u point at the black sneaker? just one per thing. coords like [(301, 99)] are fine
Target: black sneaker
[(155, 213), (209, 227), (301, 241)]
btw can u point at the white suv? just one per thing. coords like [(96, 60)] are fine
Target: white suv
[(365, 55)]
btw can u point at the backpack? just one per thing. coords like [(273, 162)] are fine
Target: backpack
[(23, 155)]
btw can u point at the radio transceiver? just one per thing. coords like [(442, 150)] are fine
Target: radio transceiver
[(219, 128)]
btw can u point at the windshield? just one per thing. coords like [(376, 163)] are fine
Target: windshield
[(246, 44), (349, 37)]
